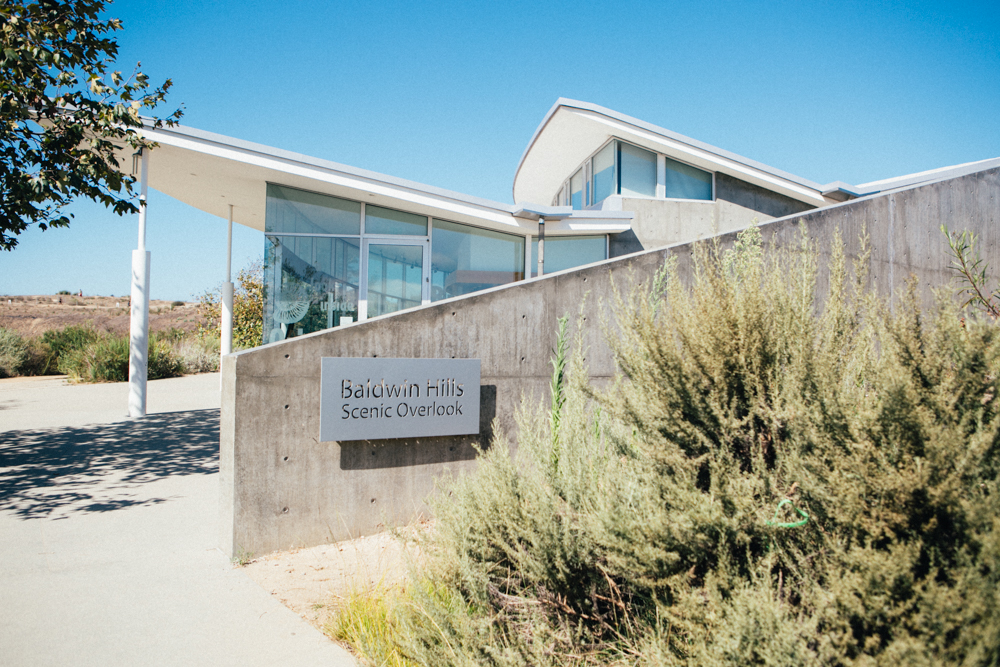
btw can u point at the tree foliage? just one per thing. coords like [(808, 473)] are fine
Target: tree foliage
[(66, 114), (248, 308), (668, 529)]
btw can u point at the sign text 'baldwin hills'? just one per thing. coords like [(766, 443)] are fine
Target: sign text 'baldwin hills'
[(373, 399)]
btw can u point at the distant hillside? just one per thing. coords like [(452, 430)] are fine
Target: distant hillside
[(33, 315)]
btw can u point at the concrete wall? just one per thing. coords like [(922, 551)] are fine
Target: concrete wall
[(663, 222), (281, 487)]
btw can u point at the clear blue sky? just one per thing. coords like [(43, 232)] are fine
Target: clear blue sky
[(449, 93)]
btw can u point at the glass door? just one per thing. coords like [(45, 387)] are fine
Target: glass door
[(395, 277)]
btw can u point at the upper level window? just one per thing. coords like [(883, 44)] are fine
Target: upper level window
[(620, 168), (605, 179), (686, 182), (379, 220), (576, 190), (637, 169), (300, 212)]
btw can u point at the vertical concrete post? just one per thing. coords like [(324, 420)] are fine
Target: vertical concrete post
[(227, 294), (541, 247), (138, 357)]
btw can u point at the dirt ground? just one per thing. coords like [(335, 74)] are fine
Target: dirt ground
[(312, 581), (33, 315)]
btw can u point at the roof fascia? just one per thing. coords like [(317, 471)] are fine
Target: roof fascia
[(210, 142), (701, 146)]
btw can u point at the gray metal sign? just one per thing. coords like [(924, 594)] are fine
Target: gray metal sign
[(372, 399)]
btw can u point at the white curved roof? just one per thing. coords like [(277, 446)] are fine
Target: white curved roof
[(210, 171), (572, 131)]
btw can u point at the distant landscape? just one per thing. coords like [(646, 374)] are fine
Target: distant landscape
[(31, 316)]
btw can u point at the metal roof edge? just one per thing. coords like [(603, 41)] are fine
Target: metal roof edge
[(929, 176), (188, 132), (649, 127)]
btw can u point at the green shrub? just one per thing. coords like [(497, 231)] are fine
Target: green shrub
[(106, 360), (13, 352), (248, 308), (650, 529), (57, 342)]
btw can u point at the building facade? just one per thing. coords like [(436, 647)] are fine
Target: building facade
[(346, 245)]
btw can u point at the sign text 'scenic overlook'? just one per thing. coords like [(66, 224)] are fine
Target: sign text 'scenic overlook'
[(371, 398)]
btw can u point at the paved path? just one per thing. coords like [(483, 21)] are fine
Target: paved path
[(107, 536)]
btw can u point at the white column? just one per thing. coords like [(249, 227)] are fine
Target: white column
[(541, 247), (227, 294), (139, 325)]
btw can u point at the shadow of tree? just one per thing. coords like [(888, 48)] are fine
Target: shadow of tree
[(99, 468)]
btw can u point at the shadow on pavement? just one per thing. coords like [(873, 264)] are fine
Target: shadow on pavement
[(100, 468)]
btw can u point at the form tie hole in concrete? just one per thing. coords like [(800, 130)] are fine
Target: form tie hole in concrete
[(373, 501), (286, 356), (285, 458), (284, 510), (522, 360), (585, 279), (286, 407), (453, 313)]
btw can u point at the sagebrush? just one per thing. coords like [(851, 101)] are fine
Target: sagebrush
[(641, 525)]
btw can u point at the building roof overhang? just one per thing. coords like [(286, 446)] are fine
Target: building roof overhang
[(210, 171), (571, 131)]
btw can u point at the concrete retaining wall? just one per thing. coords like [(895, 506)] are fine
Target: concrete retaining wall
[(281, 487)]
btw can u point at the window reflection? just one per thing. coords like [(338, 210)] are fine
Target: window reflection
[(295, 211), (686, 182), (395, 277), (567, 252), (379, 220), (310, 284), (465, 259)]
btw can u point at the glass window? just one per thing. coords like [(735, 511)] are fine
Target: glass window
[(395, 276), (604, 173), (638, 170), (309, 284), (466, 259), (300, 212), (567, 252), (576, 190), (380, 220), (687, 182)]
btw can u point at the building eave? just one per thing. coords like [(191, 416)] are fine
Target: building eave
[(573, 130)]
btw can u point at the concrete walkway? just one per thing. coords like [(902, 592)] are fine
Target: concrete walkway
[(108, 530)]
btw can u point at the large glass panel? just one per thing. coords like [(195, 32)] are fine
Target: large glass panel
[(687, 182), (604, 173), (309, 284), (638, 170), (395, 277), (299, 212), (567, 252), (576, 190), (380, 220), (466, 259)]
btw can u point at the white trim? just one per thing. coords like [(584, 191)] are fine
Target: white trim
[(661, 176), (569, 124)]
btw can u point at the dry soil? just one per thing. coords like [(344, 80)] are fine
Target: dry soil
[(33, 315), (313, 581)]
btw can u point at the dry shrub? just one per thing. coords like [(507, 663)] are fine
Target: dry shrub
[(649, 528), (13, 352)]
